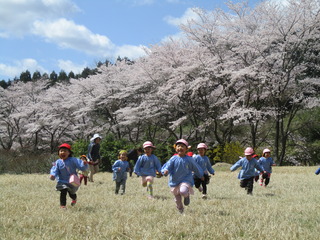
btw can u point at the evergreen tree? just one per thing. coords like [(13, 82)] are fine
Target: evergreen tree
[(25, 76), (36, 76)]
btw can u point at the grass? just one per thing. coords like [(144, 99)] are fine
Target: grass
[(286, 209)]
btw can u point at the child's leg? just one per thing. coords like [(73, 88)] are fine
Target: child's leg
[(204, 183), (261, 179), (63, 197), (184, 191), (144, 181), (197, 182), (85, 179), (204, 187), (73, 196), (123, 184), (149, 180), (177, 198), (244, 183), (250, 185), (81, 177), (117, 187), (266, 182)]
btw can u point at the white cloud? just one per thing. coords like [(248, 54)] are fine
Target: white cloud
[(17, 16), (187, 16), (20, 66), (67, 34), (129, 51), (69, 66)]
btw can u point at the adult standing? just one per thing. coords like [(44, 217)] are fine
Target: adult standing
[(94, 155)]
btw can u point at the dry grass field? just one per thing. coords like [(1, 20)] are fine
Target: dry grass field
[(287, 209)]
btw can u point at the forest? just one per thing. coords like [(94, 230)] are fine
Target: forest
[(237, 78)]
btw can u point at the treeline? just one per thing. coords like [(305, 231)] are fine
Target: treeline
[(61, 77)]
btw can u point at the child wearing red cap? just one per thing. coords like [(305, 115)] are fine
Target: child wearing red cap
[(62, 169), (147, 166)]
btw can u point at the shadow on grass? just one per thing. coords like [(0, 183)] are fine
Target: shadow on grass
[(161, 197), (269, 194)]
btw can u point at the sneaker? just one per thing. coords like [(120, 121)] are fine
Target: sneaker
[(186, 201), (200, 189), (73, 202), (63, 207), (150, 197), (204, 196)]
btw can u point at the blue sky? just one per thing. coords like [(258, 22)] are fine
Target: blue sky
[(69, 35)]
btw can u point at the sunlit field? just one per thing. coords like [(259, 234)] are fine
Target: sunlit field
[(287, 209)]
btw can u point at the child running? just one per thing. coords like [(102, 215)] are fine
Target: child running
[(248, 165), (180, 168), (266, 162), (120, 169), (147, 166), (203, 161), (83, 174), (61, 171)]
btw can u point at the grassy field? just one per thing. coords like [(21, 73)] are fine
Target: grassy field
[(287, 209)]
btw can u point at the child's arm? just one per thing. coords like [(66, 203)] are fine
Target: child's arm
[(209, 167), (115, 166), (165, 168), (53, 171), (137, 166), (235, 166), (82, 165), (197, 169)]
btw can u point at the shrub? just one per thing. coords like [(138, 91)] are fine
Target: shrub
[(228, 153)]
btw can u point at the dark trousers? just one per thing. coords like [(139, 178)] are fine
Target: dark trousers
[(266, 181), (198, 182), (63, 197), (247, 184), (121, 184)]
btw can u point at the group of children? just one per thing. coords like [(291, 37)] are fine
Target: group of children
[(184, 171)]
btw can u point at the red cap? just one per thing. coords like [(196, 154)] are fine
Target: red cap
[(65, 145), (190, 154)]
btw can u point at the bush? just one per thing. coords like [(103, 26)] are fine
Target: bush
[(228, 153)]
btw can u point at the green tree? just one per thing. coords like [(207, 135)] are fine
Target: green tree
[(71, 75), (36, 76), (63, 76), (25, 76), (53, 78)]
